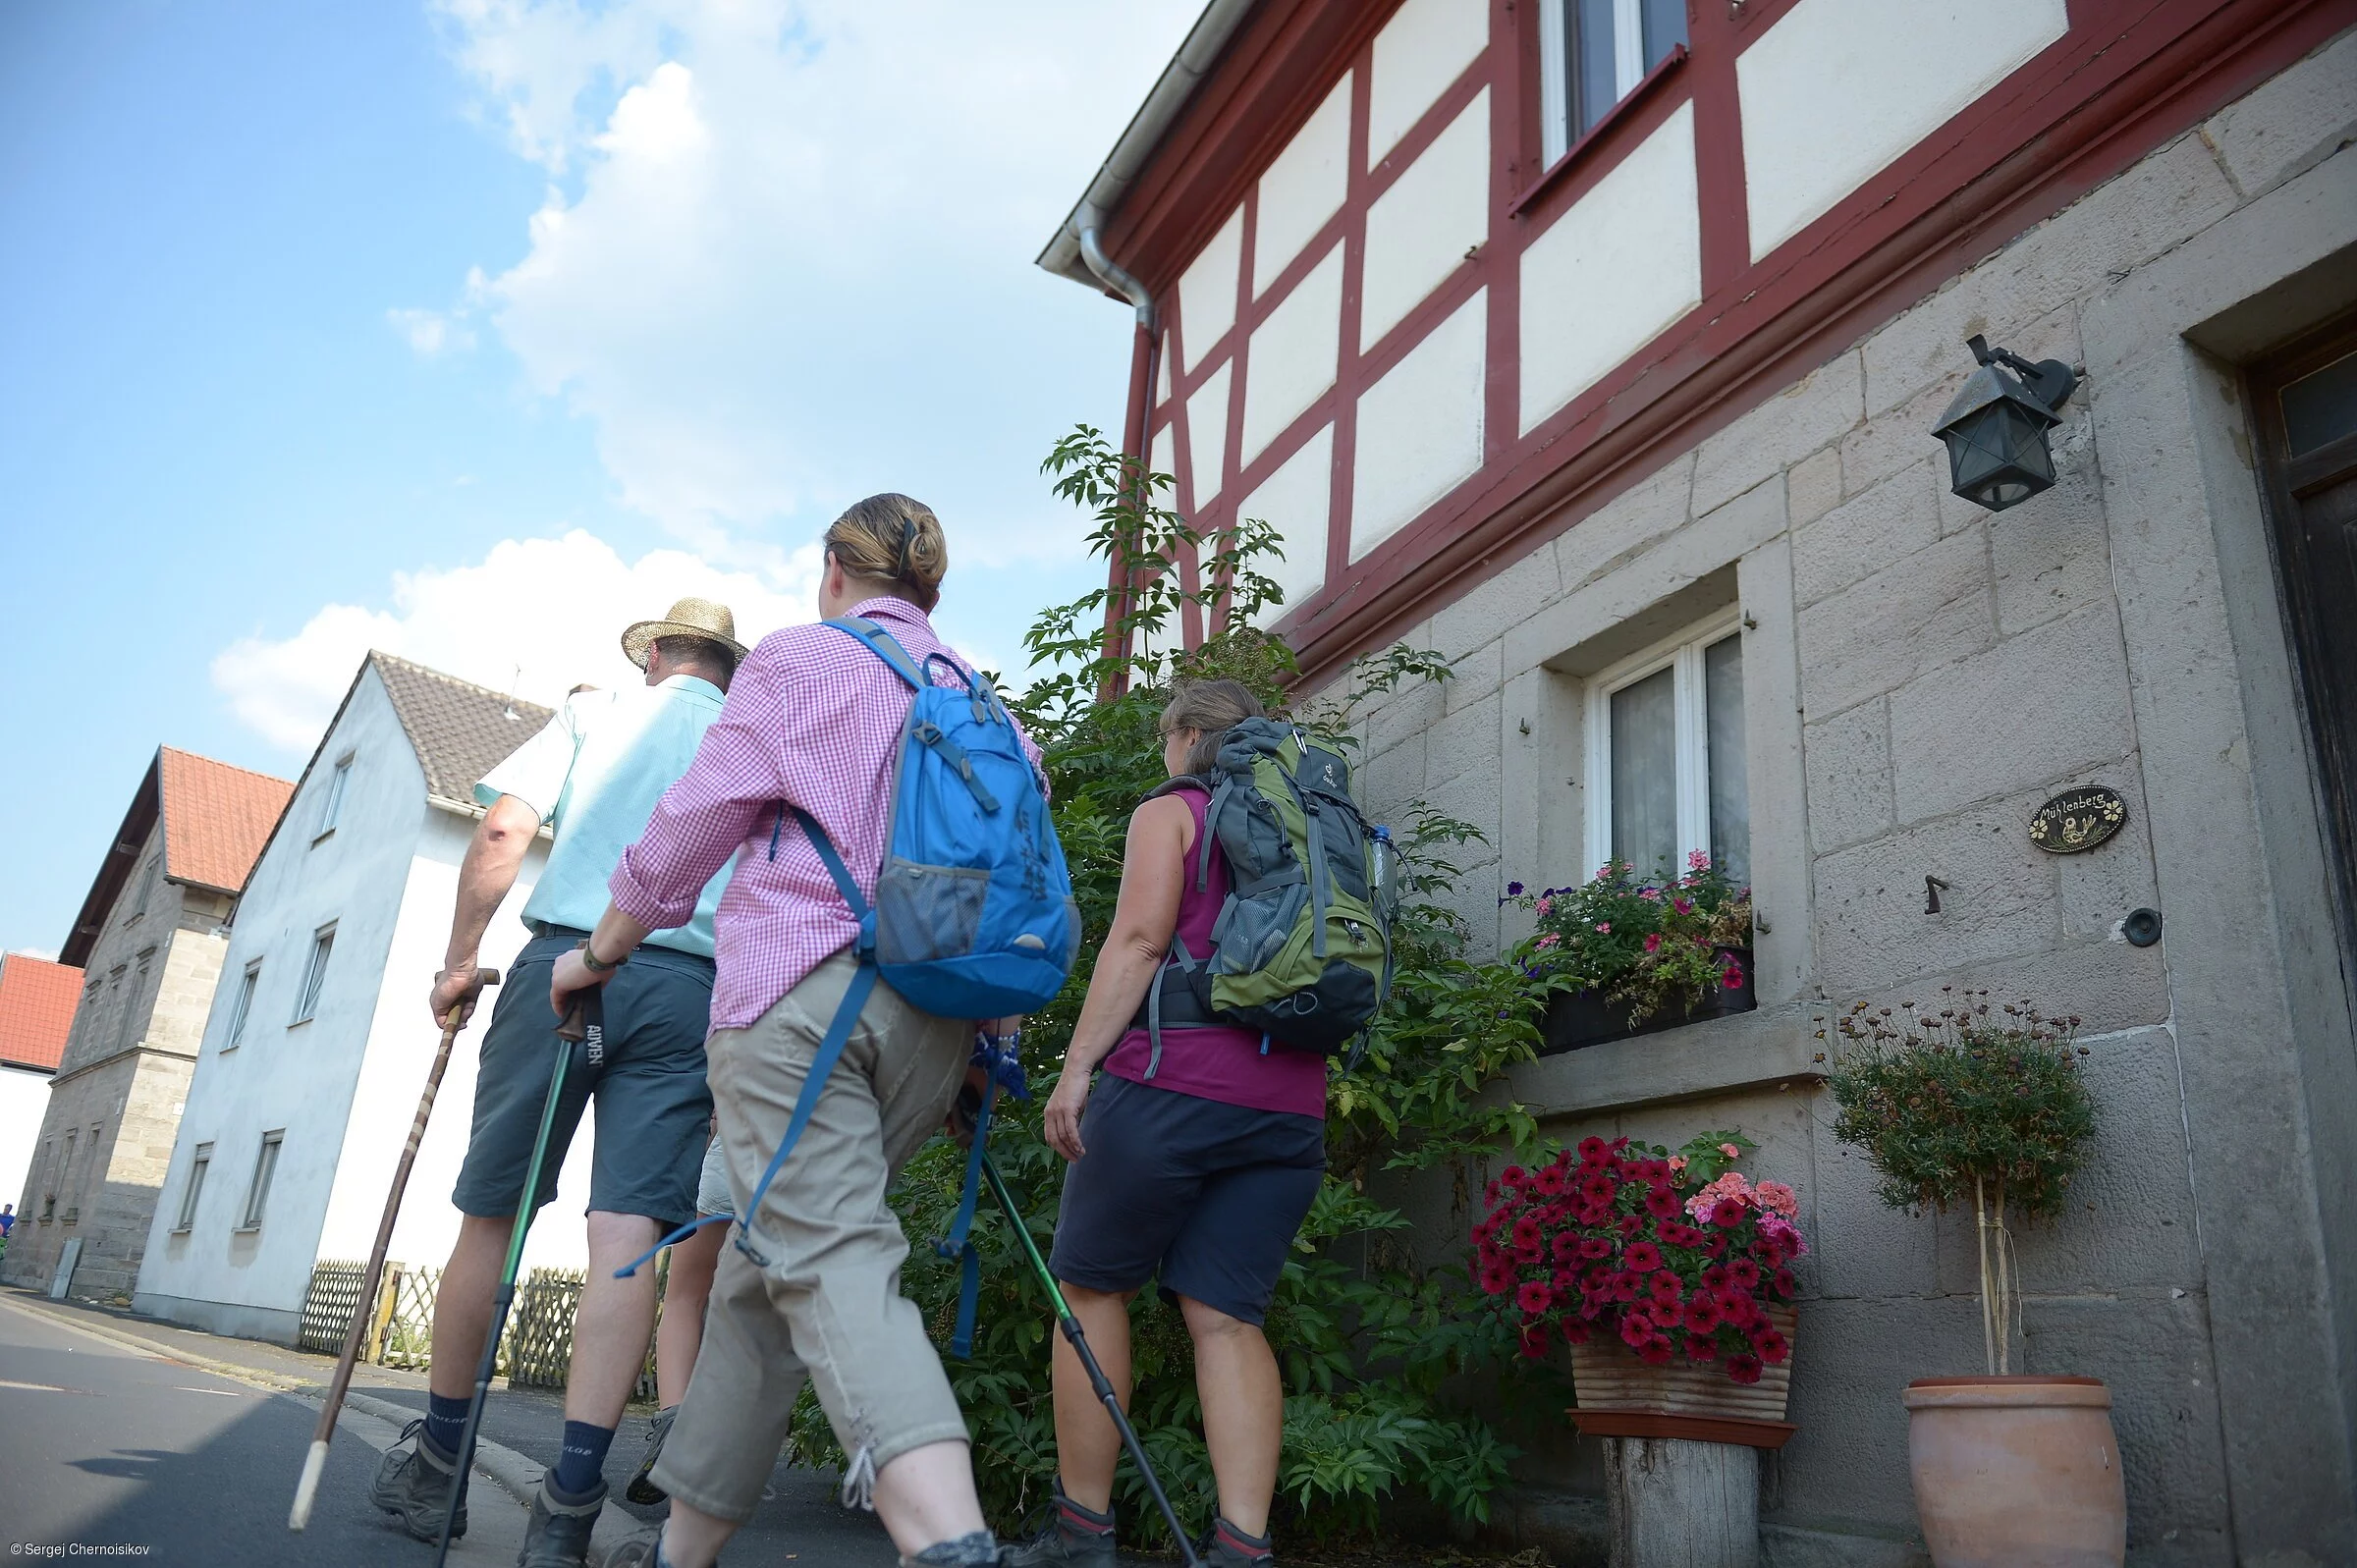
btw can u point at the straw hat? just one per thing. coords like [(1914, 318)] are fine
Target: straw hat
[(688, 617)]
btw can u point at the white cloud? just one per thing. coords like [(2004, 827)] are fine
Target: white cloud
[(785, 255), (430, 332), (542, 614)]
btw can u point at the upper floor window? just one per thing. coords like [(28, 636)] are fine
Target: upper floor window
[(240, 1005), (315, 973), (197, 1167), (258, 1191), (331, 801), (1666, 756), (1593, 53)]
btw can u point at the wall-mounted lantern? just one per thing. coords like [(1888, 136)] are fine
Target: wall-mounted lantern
[(1996, 428)]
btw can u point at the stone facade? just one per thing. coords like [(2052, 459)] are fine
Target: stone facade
[(115, 1103), (1919, 676)]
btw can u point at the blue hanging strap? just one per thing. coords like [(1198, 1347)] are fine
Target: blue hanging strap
[(839, 1032), (1006, 1071), (672, 1240)]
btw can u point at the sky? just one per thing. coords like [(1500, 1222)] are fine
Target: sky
[(474, 330)]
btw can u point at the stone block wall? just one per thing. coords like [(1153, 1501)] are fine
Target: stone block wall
[(1920, 675)]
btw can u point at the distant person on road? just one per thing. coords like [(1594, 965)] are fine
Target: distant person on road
[(813, 725), (593, 777)]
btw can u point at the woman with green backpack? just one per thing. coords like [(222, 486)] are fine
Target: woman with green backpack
[(1193, 1165)]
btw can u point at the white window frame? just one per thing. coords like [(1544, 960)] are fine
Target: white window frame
[(1555, 67), (198, 1164), (1681, 651), (314, 975), (240, 1007), (331, 803), (265, 1171)]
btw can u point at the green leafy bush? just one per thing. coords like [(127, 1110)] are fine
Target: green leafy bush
[(1965, 1104), (1374, 1349)]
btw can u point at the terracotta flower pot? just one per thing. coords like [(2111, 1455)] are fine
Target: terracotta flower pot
[(2018, 1471)]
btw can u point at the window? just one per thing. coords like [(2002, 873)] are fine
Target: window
[(257, 1192), (331, 803), (66, 1174), (307, 1000), (142, 882), (1593, 53), (1666, 756), (194, 1189), (241, 1004)]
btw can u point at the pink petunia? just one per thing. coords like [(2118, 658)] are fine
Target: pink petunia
[(1653, 941), (1684, 906), (1731, 978), (1549, 939), (1546, 907), (1604, 925)]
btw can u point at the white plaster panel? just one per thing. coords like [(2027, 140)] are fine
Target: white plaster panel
[(1293, 353), (1162, 372), (1621, 265), (1207, 434), (1425, 47), (1302, 187), (1207, 290), (1419, 428), (1837, 88), (1163, 457), (1419, 230), (1297, 499)]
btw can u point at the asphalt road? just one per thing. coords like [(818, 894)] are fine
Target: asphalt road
[(105, 1444)]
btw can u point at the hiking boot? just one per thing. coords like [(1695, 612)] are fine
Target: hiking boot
[(640, 1552), (413, 1483), (642, 1489), (557, 1534), (1075, 1537), (977, 1550), (1229, 1547)]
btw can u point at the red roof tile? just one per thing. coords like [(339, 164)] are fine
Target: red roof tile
[(38, 998), (216, 818)]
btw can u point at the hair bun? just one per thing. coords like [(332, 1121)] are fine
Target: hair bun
[(891, 538)]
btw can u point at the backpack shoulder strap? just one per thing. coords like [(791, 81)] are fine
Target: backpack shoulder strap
[(885, 646)]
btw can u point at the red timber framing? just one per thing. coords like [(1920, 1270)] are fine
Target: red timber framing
[(2127, 76)]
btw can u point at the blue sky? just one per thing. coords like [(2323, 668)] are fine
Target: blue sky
[(473, 329)]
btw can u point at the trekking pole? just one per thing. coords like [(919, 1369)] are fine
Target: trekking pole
[(1088, 1361), (585, 1021), (362, 1309)]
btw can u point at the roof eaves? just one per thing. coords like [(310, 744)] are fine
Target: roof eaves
[(139, 822), (1172, 93)]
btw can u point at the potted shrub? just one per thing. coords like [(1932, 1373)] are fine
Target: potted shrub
[(1969, 1106), (1668, 1274), (1625, 956)]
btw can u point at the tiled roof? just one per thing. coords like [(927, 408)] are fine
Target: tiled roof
[(38, 998), (216, 818), (459, 731)]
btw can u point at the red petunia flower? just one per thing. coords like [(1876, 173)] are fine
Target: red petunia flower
[(1595, 1247), (1703, 1315), (1785, 1284), (1714, 1276), (1744, 1272), (1565, 1247), (1655, 1353), (1548, 1183), (1630, 1225), (1743, 1368), (1592, 1148), (1726, 1212), (1663, 1203), (1576, 1332), (1699, 1347), (1535, 1297), (1642, 1256), (1513, 1176), (1663, 1286), (1636, 1329), (1534, 1342), (1773, 1347)]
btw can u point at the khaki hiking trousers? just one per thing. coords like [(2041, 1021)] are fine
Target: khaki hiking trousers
[(829, 1307)]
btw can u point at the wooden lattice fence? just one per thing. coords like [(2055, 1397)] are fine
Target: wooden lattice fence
[(536, 1352)]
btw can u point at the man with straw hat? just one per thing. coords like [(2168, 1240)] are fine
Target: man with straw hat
[(592, 776)]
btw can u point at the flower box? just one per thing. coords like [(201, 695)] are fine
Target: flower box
[(1607, 1379), (1579, 1018)]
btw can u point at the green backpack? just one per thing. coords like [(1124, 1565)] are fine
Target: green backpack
[(1302, 949)]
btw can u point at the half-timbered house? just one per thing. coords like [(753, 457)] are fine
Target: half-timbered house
[(1598, 344)]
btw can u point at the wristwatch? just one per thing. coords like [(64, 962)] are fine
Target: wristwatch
[(590, 961)]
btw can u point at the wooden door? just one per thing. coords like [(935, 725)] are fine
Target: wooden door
[(2306, 406)]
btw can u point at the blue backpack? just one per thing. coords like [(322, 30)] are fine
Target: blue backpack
[(973, 917)]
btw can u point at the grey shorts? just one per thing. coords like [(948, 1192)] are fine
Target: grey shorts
[(653, 1108)]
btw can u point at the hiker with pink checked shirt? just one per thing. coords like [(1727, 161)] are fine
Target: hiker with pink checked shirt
[(812, 725)]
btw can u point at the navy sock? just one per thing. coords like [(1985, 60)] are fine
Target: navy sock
[(445, 1422), (582, 1462)]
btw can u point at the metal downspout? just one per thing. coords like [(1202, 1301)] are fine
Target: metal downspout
[(1123, 583)]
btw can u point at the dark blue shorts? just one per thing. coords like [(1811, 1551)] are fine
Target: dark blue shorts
[(1201, 1196), (653, 1110)]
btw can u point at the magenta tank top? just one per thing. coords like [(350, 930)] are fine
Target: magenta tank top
[(1228, 1065)]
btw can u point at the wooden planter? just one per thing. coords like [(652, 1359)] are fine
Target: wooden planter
[(1589, 1018), (1621, 1397)]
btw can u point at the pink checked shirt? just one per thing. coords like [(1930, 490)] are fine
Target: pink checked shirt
[(813, 719)]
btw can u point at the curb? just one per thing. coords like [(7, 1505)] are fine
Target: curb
[(509, 1470)]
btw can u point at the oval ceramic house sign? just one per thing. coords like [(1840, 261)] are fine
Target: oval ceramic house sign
[(2078, 819)]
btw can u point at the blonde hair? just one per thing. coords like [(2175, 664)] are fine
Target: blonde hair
[(890, 538), (1210, 708)]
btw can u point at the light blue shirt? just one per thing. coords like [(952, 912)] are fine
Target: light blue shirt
[(594, 776)]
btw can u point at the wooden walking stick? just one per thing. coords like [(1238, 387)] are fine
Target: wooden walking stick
[(364, 1317)]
